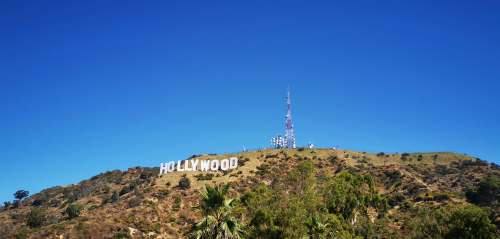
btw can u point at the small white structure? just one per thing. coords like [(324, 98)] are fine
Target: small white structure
[(309, 145), (278, 142)]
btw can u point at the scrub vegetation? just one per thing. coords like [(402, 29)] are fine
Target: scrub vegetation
[(282, 193)]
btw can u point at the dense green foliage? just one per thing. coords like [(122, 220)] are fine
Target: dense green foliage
[(486, 194), (74, 210), (313, 208), (7, 204), (21, 194), (307, 205), (218, 220), (451, 222), (35, 218), (185, 183)]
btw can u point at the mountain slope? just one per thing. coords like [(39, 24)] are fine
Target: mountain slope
[(141, 203)]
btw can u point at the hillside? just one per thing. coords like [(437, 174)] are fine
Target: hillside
[(147, 205)]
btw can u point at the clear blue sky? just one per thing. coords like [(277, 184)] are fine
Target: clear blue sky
[(92, 86)]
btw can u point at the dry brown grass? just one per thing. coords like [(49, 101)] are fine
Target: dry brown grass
[(101, 223)]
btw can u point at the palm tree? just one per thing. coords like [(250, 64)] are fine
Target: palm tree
[(218, 210), (316, 228)]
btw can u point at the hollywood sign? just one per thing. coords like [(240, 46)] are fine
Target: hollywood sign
[(205, 165)]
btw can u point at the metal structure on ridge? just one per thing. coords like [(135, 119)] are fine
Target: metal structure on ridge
[(289, 140), (278, 142)]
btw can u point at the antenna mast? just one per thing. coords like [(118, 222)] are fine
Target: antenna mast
[(290, 141)]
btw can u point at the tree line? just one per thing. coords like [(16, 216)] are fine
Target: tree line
[(308, 205)]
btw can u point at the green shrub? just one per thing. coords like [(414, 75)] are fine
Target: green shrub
[(115, 197), (133, 185), (134, 202), (60, 227), (162, 193), (208, 176), (185, 183), (263, 169), (7, 205), (145, 175), (79, 226), (177, 200), (55, 202), (106, 189), (40, 200), (123, 234), (35, 218), (74, 210), (157, 228), (125, 190), (352, 171), (22, 234), (400, 197), (17, 216)]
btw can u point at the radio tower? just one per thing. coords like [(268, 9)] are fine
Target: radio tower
[(290, 141)]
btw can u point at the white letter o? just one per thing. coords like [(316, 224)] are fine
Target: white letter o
[(224, 164), (214, 165)]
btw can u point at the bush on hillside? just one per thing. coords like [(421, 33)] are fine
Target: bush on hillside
[(162, 193), (81, 192), (133, 185), (185, 183), (352, 171), (55, 202), (272, 156), (106, 189), (125, 190), (134, 202), (115, 197), (144, 175), (177, 200), (73, 210), (16, 203), (243, 161), (35, 218), (404, 156), (40, 200)]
